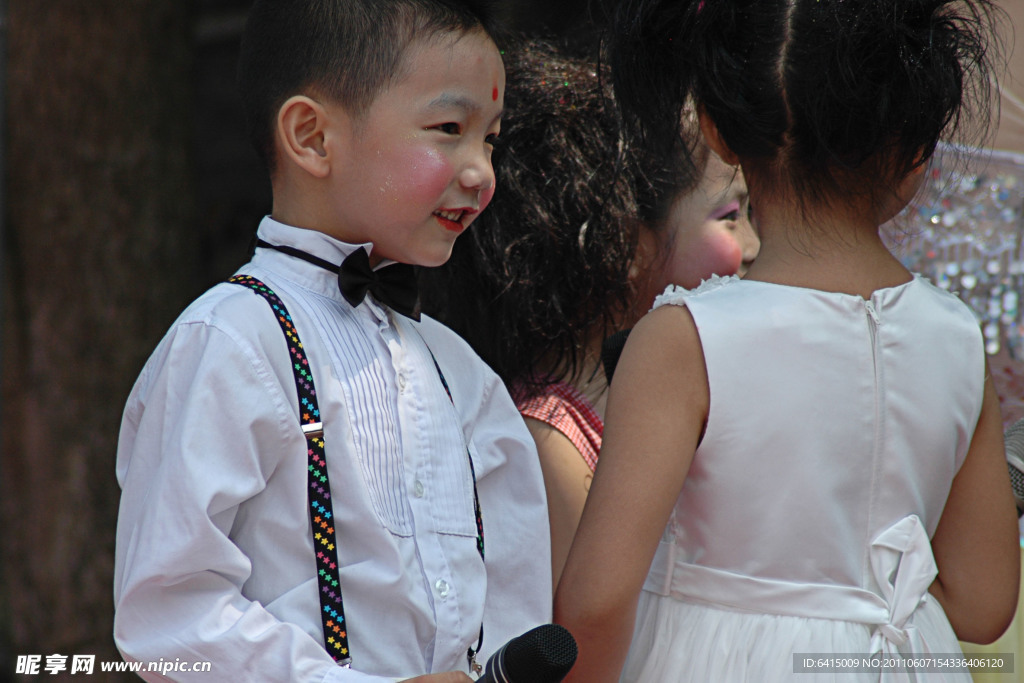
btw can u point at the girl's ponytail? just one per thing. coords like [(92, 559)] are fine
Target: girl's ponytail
[(817, 95), (886, 82), (651, 66), (737, 80)]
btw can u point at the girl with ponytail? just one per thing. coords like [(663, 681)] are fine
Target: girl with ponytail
[(805, 465)]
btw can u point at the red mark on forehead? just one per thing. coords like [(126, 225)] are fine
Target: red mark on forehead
[(494, 94)]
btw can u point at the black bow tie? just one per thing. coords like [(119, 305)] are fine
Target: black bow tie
[(393, 285)]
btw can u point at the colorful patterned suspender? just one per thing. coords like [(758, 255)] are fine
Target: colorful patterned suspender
[(332, 613), (320, 512)]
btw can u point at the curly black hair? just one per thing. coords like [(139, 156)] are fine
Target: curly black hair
[(821, 96), (546, 268)]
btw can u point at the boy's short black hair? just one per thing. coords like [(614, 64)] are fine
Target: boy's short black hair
[(813, 94), (345, 50)]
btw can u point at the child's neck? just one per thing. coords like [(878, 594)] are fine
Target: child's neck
[(837, 255), (301, 205)]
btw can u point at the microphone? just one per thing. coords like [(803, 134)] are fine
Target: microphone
[(1013, 439), (542, 655), (611, 349)]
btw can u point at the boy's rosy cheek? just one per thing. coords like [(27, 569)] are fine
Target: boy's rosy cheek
[(485, 197), (427, 173)]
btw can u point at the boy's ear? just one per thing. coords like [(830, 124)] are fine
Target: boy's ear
[(714, 139), (301, 131)]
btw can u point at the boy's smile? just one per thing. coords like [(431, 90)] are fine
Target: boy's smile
[(414, 170)]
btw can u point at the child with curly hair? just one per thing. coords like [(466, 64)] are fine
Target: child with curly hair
[(585, 229)]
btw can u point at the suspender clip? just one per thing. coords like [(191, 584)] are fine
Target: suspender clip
[(313, 430)]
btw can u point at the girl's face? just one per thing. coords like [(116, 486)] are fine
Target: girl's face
[(708, 230)]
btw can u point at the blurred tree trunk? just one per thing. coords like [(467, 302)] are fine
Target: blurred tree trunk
[(97, 261)]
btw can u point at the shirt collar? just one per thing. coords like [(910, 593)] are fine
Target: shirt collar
[(311, 241)]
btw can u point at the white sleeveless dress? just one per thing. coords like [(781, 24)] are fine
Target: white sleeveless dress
[(835, 428)]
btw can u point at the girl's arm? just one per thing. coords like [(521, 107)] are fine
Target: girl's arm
[(976, 544), (656, 411), (567, 479)]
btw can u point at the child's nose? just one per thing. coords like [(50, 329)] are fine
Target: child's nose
[(478, 174), (746, 237)]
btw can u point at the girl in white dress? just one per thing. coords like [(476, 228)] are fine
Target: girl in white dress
[(806, 463)]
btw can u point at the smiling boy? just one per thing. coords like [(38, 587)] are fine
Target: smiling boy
[(376, 119), (415, 166)]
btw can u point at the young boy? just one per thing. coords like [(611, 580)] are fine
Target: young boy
[(376, 119)]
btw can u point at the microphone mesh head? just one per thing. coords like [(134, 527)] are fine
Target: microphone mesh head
[(1014, 441), (543, 655), (1017, 482)]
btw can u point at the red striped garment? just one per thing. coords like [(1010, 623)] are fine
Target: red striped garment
[(566, 409)]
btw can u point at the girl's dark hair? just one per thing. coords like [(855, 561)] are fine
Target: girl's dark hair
[(345, 50), (811, 94), (547, 265)]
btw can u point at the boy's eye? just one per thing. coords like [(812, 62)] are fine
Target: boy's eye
[(450, 128), (731, 216)]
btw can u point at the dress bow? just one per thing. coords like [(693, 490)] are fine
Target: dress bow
[(904, 568)]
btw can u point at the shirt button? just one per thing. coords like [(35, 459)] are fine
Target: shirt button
[(401, 382), (417, 489), (442, 588)]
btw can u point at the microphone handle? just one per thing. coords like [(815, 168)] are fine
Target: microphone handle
[(494, 672)]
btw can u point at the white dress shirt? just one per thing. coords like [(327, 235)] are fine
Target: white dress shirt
[(215, 559)]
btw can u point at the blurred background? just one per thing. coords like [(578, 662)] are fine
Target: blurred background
[(129, 188)]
